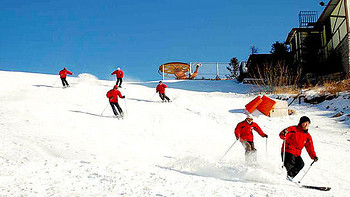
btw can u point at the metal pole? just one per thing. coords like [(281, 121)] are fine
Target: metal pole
[(153, 96), (217, 70), (284, 147), (306, 171), (190, 67), (56, 82), (104, 109), (284, 151), (163, 72), (266, 146), (229, 149), (126, 110)]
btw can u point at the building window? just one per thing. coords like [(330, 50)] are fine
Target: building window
[(338, 24)]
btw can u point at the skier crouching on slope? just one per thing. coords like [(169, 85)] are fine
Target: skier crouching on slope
[(294, 140), (113, 100), (63, 74), (161, 89), (244, 133)]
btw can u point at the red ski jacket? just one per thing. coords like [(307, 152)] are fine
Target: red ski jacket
[(63, 73), (161, 88), (244, 131), (119, 73), (113, 95), (296, 139)]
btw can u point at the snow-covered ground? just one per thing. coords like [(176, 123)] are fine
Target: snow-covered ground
[(55, 142)]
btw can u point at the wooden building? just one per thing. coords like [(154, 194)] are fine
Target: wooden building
[(329, 32)]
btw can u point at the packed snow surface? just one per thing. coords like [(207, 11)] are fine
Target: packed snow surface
[(66, 142)]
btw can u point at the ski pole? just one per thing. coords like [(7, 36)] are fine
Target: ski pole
[(284, 148), (229, 148), (266, 146), (55, 82), (153, 96), (306, 171), (104, 109), (284, 152), (126, 110)]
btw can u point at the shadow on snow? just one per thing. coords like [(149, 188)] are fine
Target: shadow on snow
[(225, 86), (143, 100), (200, 175), (92, 114), (46, 86), (237, 111)]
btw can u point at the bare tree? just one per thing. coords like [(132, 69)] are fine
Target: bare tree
[(277, 76), (253, 49)]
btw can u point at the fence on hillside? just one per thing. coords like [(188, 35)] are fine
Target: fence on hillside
[(211, 70)]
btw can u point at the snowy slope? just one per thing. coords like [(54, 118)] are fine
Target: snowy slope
[(55, 142)]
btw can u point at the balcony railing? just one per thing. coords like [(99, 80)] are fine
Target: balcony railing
[(307, 18)]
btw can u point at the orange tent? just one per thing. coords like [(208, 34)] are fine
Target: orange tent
[(266, 105), (251, 106)]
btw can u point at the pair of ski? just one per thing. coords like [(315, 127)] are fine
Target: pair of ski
[(316, 187), (312, 187), (119, 117)]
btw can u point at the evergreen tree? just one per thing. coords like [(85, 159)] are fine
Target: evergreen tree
[(280, 51), (233, 68)]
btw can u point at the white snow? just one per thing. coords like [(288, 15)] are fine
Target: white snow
[(55, 142)]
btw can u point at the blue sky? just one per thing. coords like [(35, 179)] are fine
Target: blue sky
[(90, 36)]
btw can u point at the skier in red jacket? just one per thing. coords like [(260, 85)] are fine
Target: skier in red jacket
[(113, 95), (244, 133), (295, 138), (63, 74), (120, 74), (161, 90)]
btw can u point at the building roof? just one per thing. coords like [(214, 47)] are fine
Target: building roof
[(328, 10), (324, 16), (297, 29), (255, 59)]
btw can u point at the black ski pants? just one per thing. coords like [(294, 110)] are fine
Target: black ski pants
[(163, 96), (64, 82), (293, 164), (118, 107), (120, 81)]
